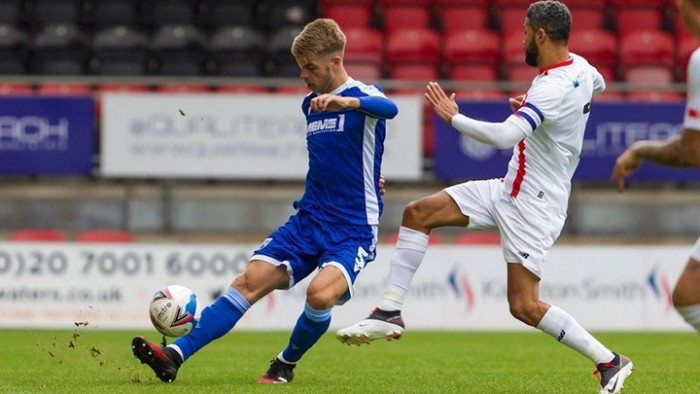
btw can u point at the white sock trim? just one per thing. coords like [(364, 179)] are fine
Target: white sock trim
[(562, 326), (691, 314)]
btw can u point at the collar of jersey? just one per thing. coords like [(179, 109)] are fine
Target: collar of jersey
[(560, 64), (344, 86)]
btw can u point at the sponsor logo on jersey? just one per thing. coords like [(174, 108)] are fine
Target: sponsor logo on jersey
[(326, 125)]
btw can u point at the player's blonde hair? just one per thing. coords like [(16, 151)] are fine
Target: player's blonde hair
[(320, 37)]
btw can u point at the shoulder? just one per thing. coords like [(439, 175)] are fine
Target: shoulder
[(694, 61), (360, 89)]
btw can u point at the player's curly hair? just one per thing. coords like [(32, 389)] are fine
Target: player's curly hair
[(553, 17), (320, 37)]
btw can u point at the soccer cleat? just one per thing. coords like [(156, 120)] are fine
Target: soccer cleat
[(613, 374), (158, 358), (379, 324), (279, 372)]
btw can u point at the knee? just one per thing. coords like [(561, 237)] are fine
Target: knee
[(320, 299), (526, 311), (414, 215)]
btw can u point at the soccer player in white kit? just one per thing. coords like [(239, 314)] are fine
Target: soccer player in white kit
[(681, 151), (528, 206)]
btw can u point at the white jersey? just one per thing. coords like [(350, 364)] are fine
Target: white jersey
[(692, 112), (553, 118)]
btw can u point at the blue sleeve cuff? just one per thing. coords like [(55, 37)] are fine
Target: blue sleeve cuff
[(378, 107)]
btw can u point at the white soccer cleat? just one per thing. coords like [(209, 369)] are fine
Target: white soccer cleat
[(613, 374), (380, 324)]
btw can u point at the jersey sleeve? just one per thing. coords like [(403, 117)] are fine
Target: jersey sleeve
[(541, 103), (598, 81), (692, 111)]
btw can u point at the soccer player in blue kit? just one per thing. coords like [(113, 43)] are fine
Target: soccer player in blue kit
[(335, 227)]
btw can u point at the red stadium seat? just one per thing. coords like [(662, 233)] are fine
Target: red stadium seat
[(599, 47), (586, 3), (182, 88), (400, 16), (521, 73), (681, 30), (510, 3), (364, 71), (391, 3), (428, 137), (511, 19), (608, 73), (480, 94), (64, 89), (586, 18), (637, 3), (105, 236), (326, 3), (478, 238), (349, 15), (38, 235), (16, 88), (647, 47), (414, 72), (485, 73), (122, 87), (686, 46), (635, 19), (656, 96), (512, 49), (471, 46), (648, 74), (461, 3), (364, 45), (609, 95), (468, 17), (242, 89), (412, 45)]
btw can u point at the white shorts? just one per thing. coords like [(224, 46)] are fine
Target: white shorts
[(695, 253), (528, 225)]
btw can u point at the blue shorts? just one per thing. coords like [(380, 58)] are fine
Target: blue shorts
[(305, 243)]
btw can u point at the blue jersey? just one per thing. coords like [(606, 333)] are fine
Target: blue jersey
[(345, 157)]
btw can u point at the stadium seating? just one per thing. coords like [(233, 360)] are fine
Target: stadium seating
[(649, 74), (412, 45), (221, 13), (472, 17), (10, 11), (366, 72), (635, 19), (179, 50), (475, 73), (281, 63), (647, 47), (60, 49), (472, 46), (46, 12), (586, 18), (170, 12), (182, 88), (111, 13), (414, 72), (63, 88), (275, 14), (512, 49), (237, 51), (15, 49), (364, 45), (599, 47), (105, 236), (686, 46), (119, 50), (38, 235), (401, 16), (349, 16), (511, 19)]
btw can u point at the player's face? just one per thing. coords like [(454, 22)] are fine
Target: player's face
[(316, 73), (532, 52)]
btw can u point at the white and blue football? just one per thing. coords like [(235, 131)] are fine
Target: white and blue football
[(173, 310)]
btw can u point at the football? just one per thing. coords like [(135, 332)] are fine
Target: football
[(173, 309)]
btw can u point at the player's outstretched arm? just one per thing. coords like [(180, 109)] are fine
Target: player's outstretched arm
[(375, 106), (682, 151), (501, 135)]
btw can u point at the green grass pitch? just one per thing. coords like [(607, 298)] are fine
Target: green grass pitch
[(95, 361)]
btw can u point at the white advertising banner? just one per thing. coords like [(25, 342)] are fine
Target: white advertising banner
[(58, 285), (231, 136)]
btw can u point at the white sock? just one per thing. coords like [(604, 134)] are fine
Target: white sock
[(566, 330), (691, 314), (408, 254)]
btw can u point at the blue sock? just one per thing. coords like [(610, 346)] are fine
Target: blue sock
[(216, 320), (309, 328)]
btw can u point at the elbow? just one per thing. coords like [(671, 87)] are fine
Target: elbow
[(392, 111)]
